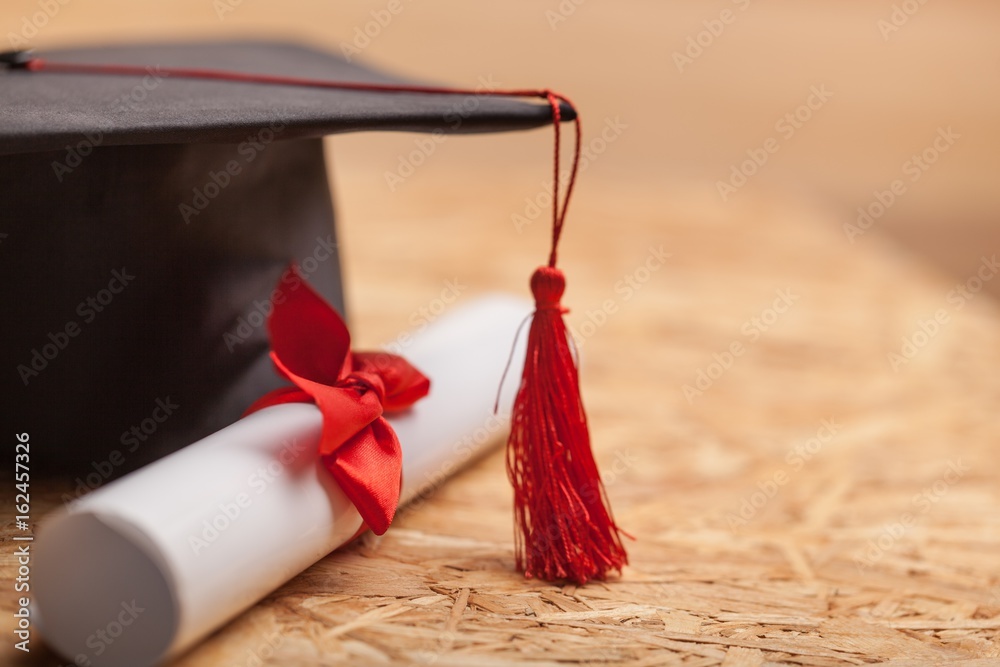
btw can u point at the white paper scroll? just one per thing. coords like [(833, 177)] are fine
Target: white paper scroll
[(143, 568)]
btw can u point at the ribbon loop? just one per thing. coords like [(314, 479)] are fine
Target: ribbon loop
[(311, 346)]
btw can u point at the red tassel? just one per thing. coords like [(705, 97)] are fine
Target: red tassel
[(564, 528)]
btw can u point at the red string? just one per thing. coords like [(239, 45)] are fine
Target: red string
[(553, 99)]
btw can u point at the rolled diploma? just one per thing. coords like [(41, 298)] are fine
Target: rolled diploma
[(141, 569)]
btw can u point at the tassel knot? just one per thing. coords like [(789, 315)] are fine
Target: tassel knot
[(547, 286)]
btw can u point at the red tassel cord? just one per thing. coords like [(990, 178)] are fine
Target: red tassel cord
[(564, 526), (563, 523)]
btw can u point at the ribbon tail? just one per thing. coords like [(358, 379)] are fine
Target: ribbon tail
[(369, 469)]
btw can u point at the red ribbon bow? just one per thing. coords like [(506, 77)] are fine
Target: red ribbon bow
[(310, 345)]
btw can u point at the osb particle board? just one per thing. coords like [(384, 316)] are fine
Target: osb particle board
[(812, 506)]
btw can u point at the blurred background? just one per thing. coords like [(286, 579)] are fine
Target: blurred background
[(690, 86)]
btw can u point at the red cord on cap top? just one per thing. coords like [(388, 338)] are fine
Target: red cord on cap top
[(564, 526)]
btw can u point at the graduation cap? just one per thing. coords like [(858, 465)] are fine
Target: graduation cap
[(153, 196)]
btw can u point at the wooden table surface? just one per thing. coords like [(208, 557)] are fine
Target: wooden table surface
[(830, 494)]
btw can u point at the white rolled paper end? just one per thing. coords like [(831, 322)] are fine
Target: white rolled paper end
[(143, 568)]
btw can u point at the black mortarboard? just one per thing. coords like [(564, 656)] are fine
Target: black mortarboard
[(146, 219)]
